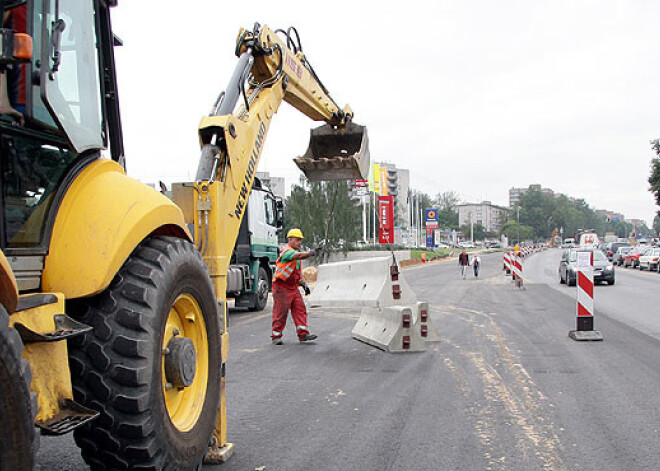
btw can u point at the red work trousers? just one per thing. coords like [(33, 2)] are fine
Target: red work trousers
[(287, 297)]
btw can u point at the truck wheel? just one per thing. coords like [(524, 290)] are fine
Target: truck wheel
[(18, 406), (151, 365), (261, 296)]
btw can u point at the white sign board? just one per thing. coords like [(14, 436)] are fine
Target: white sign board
[(584, 259)]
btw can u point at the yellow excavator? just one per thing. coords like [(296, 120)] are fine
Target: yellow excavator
[(112, 313)]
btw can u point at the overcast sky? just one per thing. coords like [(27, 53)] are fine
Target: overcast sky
[(471, 96)]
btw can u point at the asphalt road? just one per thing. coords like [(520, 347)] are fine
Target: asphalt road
[(634, 299), (505, 388)]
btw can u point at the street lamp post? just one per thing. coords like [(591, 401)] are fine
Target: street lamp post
[(518, 210)]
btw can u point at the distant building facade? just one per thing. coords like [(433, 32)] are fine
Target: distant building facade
[(276, 184), (611, 216), (489, 215), (516, 193), (398, 186)]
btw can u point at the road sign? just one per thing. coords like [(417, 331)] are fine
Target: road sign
[(386, 216)]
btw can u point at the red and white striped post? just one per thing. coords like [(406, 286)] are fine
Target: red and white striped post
[(585, 299), (507, 263), (517, 270)]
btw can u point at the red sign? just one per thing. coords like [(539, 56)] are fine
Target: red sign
[(386, 217), (362, 183)]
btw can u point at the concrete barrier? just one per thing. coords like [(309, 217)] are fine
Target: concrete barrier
[(390, 328), (360, 283), (391, 318), (423, 324)]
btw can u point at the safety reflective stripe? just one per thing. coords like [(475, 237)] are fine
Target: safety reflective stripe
[(301, 327), (277, 334), (284, 270)]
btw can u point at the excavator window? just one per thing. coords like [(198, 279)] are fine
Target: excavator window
[(69, 87), (32, 171)]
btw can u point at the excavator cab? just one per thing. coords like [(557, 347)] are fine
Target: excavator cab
[(336, 153)]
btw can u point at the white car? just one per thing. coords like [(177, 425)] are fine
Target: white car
[(650, 260)]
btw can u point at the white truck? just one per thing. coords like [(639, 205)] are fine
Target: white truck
[(250, 273), (587, 239)]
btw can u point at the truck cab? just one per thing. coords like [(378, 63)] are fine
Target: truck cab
[(250, 273)]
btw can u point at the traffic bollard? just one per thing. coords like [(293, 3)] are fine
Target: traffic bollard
[(585, 300)]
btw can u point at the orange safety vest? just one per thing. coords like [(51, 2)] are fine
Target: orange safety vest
[(283, 271)]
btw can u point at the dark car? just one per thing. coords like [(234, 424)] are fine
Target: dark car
[(620, 254), (611, 248), (603, 268)]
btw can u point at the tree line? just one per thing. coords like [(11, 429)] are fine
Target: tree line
[(331, 219)]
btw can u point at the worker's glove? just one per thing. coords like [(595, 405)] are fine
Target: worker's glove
[(305, 288)]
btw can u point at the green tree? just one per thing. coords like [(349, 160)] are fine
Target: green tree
[(654, 178), (446, 203), (326, 214), (479, 231), (510, 230), (656, 224)]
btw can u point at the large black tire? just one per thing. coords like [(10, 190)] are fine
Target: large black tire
[(117, 368), (260, 298), (18, 407)]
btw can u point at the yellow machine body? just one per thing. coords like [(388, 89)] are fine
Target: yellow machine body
[(102, 218), (49, 361)]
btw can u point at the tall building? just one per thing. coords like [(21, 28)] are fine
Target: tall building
[(276, 184), (398, 186), (516, 193), (485, 213)]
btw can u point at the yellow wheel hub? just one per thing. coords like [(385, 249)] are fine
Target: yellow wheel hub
[(184, 403)]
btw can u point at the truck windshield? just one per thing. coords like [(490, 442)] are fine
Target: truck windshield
[(69, 92)]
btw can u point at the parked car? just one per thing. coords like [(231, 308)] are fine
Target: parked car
[(467, 245), (611, 248), (617, 258), (632, 258), (568, 243), (649, 260), (603, 268)]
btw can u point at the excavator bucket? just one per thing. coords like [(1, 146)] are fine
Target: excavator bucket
[(336, 153)]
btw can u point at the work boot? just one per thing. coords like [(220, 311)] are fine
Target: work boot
[(308, 338), (277, 341)]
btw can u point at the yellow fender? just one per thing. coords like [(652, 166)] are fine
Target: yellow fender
[(104, 215)]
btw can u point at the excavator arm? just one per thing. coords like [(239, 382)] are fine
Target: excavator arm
[(269, 70)]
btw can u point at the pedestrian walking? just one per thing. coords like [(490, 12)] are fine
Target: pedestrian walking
[(476, 264), (464, 262), (286, 294)]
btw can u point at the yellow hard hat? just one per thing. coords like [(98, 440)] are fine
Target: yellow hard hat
[(295, 232)]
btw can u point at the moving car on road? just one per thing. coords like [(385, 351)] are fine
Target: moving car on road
[(632, 258), (619, 255), (603, 268), (612, 247), (649, 260)]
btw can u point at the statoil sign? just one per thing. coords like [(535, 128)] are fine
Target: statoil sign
[(386, 219)]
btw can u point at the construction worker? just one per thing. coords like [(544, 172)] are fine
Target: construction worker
[(286, 295)]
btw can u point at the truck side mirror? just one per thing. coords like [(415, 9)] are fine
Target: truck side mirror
[(279, 213)]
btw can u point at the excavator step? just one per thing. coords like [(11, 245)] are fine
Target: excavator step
[(65, 328), (70, 416)]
